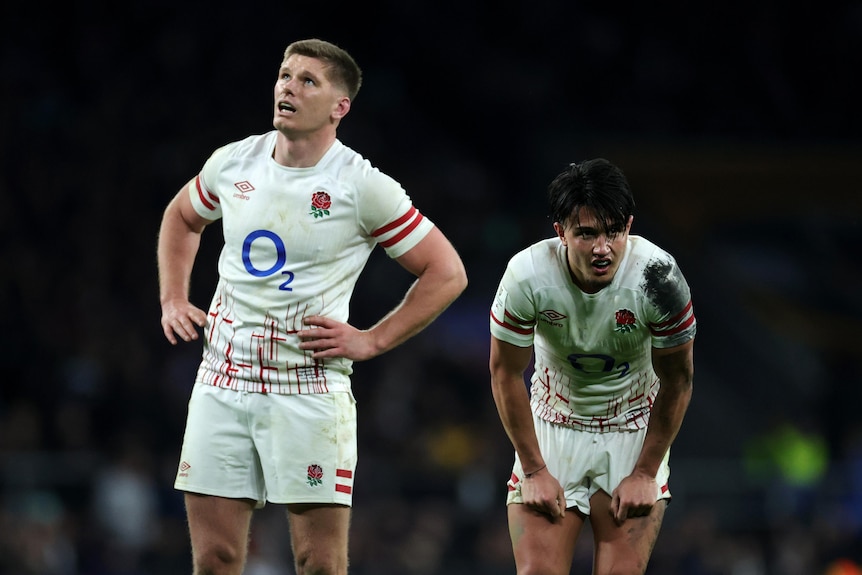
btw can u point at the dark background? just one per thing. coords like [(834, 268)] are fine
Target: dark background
[(737, 124)]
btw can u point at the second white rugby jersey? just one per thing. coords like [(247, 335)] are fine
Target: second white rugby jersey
[(592, 356), (295, 243)]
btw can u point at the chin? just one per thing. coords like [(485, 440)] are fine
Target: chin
[(596, 283)]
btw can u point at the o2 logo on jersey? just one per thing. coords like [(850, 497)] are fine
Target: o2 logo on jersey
[(280, 257), (593, 363)]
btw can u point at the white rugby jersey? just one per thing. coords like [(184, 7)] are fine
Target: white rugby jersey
[(295, 243), (592, 352)]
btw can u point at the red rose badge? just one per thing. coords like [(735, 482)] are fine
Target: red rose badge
[(315, 475), (625, 321), (320, 204)]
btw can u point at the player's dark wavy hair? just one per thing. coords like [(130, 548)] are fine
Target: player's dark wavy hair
[(341, 65), (596, 184)]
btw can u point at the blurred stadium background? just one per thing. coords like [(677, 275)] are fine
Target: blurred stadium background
[(738, 126)]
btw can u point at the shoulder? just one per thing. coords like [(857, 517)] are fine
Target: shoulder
[(348, 165), (656, 273), (646, 258), (538, 263), (255, 145)]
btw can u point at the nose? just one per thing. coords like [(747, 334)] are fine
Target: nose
[(287, 85), (601, 245)]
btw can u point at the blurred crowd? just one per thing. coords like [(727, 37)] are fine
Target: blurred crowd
[(107, 111)]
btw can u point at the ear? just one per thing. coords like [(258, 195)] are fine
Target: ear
[(342, 106), (561, 233), (629, 224)]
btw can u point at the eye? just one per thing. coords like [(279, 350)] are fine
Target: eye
[(615, 231)]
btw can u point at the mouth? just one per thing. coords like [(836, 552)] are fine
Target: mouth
[(601, 266), (285, 107)]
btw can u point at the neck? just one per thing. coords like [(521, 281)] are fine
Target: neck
[(302, 151)]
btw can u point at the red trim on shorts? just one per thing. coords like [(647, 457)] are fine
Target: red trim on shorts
[(343, 488), (343, 473)]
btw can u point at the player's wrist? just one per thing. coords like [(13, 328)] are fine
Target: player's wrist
[(531, 474)]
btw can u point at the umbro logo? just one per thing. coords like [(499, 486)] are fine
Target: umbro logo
[(184, 468), (244, 187), (552, 317)]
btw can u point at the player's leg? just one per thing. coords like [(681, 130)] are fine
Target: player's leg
[(218, 459), (318, 537), (623, 549), (541, 544), (219, 529), (315, 477)]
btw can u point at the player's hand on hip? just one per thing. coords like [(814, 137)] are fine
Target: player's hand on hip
[(635, 496), (181, 318), (327, 337), (543, 493)]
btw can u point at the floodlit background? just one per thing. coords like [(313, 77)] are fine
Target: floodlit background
[(738, 126)]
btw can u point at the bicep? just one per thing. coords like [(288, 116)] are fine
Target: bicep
[(675, 365), (182, 209), (433, 250), (508, 360)]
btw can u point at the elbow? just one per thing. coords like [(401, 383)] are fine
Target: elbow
[(461, 280), (457, 279)]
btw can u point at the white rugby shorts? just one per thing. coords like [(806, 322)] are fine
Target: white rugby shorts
[(269, 447), (585, 462)]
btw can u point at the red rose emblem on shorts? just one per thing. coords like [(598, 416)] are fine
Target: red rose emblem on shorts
[(625, 321), (315, 475), (320, 204)]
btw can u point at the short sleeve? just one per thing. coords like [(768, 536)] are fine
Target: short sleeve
[(203, 194), (513, 313)]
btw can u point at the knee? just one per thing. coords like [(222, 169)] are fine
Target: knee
[(218, 559), (320, 563), (631, 567), (542, 568)]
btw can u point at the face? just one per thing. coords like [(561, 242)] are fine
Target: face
[(305, 100), (594, 257)]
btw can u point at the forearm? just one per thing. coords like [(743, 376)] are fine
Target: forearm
[(440, 280), (178, 246), (426, 299), (513, 406), (665, 421), (675, 369)]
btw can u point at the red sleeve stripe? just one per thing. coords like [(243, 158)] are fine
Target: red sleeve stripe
[(392, 225), (403, 233), (510, 327), (666, 332), (516, 321), (203, 198), (674, 319)]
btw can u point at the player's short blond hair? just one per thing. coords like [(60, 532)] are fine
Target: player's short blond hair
[(341, 66)]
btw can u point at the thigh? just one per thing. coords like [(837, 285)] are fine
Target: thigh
[(557, 444), (617, 453), (319, 537), (218, 527), (218, 455), (542, 544), (307, 446), (624, 548)]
